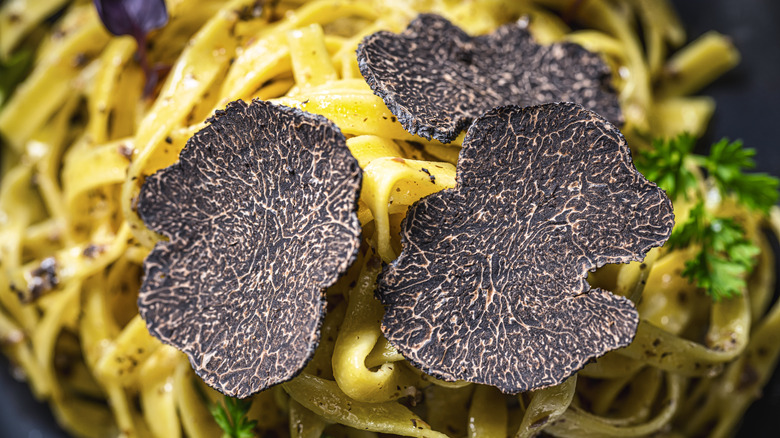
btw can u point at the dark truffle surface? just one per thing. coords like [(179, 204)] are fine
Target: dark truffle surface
[(491, 284), (260, 213), (437, 79)]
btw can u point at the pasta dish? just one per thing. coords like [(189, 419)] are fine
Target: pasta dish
[(98, 115)]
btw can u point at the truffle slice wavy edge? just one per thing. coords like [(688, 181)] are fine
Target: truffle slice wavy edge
[(491, 286), (260, 218), (437, 79)]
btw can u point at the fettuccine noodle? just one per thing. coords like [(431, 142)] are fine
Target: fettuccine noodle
[(80, 138)]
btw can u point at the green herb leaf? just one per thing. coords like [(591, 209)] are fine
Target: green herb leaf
[(725, 258), (691, 231), (664, 164), (231, 416), (725, 164), (758, 191), (13, 71)]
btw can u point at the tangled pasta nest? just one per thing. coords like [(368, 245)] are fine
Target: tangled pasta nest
[(80, 138)]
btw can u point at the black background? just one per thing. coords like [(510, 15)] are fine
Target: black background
[(748, 108)]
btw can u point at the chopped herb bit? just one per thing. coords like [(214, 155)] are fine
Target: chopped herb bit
[(13, 71), (231, 416)]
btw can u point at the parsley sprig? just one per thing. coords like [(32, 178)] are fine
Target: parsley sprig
[(669, 164), (725, 255), (665, 164), (231, 416), (757, 191), (725, 258)]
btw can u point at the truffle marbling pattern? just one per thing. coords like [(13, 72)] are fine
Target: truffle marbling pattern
[(491, 284), (436, 78), (260, 216)]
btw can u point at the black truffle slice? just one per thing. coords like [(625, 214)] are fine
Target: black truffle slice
[(261, 216), (436, 79), (491, 284)]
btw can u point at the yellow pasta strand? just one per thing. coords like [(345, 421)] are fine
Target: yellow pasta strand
[(51, 82), (327, 400), (545, 406), (357, 337)]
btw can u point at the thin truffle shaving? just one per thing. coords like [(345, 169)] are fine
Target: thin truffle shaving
[(437, 79), (491, 284), (260, 213)]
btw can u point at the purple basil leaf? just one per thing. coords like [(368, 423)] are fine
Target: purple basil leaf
[(132, 17)]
